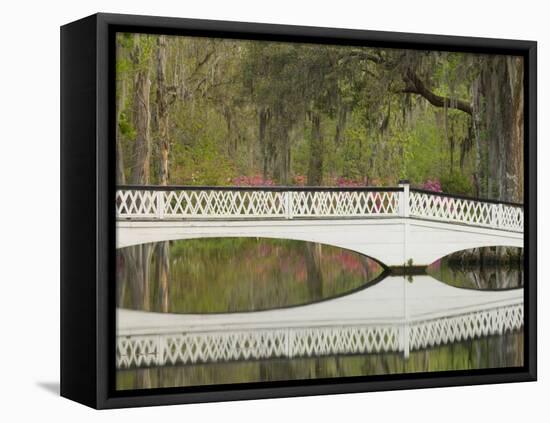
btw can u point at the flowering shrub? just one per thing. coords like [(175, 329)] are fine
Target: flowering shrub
[(436, 265), (432, 185), (252, 181), (349, 182), (299, 180)]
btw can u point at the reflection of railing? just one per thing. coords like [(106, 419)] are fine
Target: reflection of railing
[(169, 203), (203, 347)]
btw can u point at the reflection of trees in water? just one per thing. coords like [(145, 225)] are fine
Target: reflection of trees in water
[(236, 274), (135, 277), (491, 352), (163, 270), (133, 280), (313, 255), (487, 256), (481, 268)]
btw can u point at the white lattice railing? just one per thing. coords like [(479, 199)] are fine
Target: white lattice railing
[(469, 211), (219, 203), (189, 348), (212, 203)]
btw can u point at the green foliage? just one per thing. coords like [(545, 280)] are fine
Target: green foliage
[(352, 154), (370, 132), (201, 164), (300, 156), (456, 182), (125, 127)]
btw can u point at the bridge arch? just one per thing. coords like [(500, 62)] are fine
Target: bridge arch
[(393, 242)]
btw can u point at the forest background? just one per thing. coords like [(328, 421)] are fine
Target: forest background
[(207, 111)]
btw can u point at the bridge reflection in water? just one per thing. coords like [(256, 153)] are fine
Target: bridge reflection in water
[(393, 316)]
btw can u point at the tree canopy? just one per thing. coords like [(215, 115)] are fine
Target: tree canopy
[(207, 111)]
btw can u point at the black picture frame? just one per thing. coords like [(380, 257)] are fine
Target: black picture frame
[(87, 215)]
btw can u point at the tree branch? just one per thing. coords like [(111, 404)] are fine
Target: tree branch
[(201, 64), (414, 85), (364, 55)]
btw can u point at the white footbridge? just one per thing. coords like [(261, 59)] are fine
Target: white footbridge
[(393, 316), (395, 225)]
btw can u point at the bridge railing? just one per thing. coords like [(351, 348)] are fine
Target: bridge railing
[(167, 203), (450, 208), (230, 203)]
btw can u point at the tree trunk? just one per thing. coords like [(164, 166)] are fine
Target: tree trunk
[(313, 258), (121, 100), (140, 256), (501, 119), (282, 167), (231, 139), (479, 174), (315, 169), (142, 119), (137, 262), (263, 121), (162, 111), (515, 156), (341, 123), (163, 272), (163, 248)]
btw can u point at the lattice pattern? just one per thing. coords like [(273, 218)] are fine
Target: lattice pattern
[(220, 204), (308, 342), (345, 203), (137, 203), (188, 348), (511, 217), (171, 349), (473, 212), (466, 326), (214, 204), (228, 204)]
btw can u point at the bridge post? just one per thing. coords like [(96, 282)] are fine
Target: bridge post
[(404, 198), (160, 351), (289, 345), (406, 341), (160, 204), (288, 204)]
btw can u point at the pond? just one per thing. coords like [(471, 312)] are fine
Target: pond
[(238, 274), (307, 286), (489, 268)]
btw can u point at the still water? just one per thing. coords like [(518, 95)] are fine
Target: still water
[(238, 274), (213, 277)]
